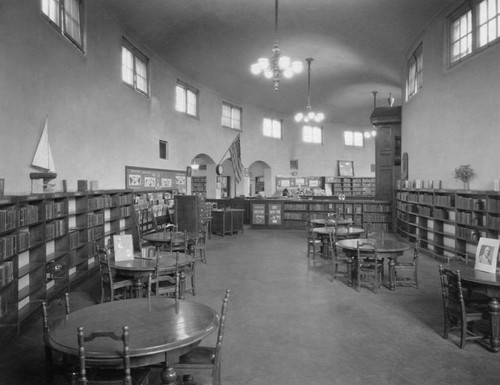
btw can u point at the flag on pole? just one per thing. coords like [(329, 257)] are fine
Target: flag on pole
[(235, 152)]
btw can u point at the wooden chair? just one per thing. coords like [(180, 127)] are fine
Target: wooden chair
[(95, 376), (204, 357), (118, 288), (458, 315), (313, 242), (178, 242), (339, 258), (407, 271), (368, 267), (165, 282), (56, 364), (197, 247)]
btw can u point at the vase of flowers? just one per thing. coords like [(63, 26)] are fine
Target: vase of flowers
[(464, 173)]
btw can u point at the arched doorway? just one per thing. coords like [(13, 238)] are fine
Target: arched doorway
[(260, 178)]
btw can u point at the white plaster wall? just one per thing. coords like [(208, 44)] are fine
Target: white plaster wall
[(97, 125), (454, 119)]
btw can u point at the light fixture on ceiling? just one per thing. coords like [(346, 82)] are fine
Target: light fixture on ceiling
[(194, 165), (309, 115), (277, 65)]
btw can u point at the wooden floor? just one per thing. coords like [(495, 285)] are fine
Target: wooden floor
[(289, 323)]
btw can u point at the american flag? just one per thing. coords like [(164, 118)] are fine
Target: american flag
[(235, 152)]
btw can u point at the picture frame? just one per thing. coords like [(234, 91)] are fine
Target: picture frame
[(345, 168), (487, 255)]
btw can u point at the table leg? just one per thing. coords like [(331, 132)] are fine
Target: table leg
[(392, 274), (494, 308), (138, 287), (350, 264)]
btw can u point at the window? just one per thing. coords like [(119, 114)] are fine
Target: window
[(135, 68), (163, 149), (472, 27), (312, 134), (186, 99), (414, 79), (66, 16), (231, 116), (353, 138), (272, 128)]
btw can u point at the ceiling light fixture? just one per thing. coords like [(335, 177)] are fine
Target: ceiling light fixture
[(277, 65), (309, 115)]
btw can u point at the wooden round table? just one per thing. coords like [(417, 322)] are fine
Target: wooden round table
[(489, 285), (161, 330), (139, 268), (389, 248)]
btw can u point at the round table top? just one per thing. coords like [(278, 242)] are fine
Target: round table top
[(166, 236), (381, 245), (166, 259), (468, 273), (340, 232), (338, 221), (156, 326)]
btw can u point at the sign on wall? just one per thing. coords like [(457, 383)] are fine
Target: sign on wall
[(142, 178)]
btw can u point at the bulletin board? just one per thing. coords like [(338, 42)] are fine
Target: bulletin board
[(142, 178)]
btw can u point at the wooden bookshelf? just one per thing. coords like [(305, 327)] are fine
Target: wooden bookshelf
[(448, 223), (48, 243)]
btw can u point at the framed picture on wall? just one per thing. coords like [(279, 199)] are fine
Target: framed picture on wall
[(487, 254), (345, 167)]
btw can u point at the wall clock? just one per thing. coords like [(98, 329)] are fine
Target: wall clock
[(219, 169)]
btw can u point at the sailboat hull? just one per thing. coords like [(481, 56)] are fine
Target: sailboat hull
[(43, 175)]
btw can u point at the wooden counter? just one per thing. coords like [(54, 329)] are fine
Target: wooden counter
[(227, 221)]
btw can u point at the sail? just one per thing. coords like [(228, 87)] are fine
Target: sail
[(43, 154)]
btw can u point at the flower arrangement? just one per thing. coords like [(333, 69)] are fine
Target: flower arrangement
[(464, 173)]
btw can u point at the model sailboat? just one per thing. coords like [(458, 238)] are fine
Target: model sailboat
[(43, 158)]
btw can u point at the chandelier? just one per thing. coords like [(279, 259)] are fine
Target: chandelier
[(309, 115), (277, 65)]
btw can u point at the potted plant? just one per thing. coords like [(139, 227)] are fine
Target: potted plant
[(464, 173)]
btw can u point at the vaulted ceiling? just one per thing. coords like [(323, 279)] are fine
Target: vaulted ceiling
[(358, 46)]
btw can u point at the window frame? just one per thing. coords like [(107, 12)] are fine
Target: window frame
[(187, 90), (354, 134), (60, 22), (272, 120), (137, 55), (414, 78), (232, 107), (313, 128), (472, 6)]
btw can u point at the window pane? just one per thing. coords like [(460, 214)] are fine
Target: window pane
[(461, 39), (127, 66), (267, 127), (348, 138), (72, 20), (51, 9), (191, 103), (276, 128), (141, 75), (236, 118), (226, 115), (307, 134), (180, 99), (358, 139), (317, 136)]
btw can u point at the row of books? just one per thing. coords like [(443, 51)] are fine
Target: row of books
[(55, 229), (379, 208), (55, 209), (470, 203), (121, 200), (97, 203), (73, 239), (8, 246), (94, 233), (95, 219), (6, 273), (8, 219), (28, 214)]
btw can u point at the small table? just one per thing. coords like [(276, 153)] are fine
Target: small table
[(340, 233), (338, 222), (161, 238), (161, 330), (390, 248), (488, 284), (139, 268)]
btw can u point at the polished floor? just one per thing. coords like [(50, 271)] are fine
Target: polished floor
[(288, 323)]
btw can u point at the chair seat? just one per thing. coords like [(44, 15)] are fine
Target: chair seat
[(201, 355)]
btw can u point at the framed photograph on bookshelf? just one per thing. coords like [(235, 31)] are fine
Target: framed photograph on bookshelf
[(487, 254), (345, 167)]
